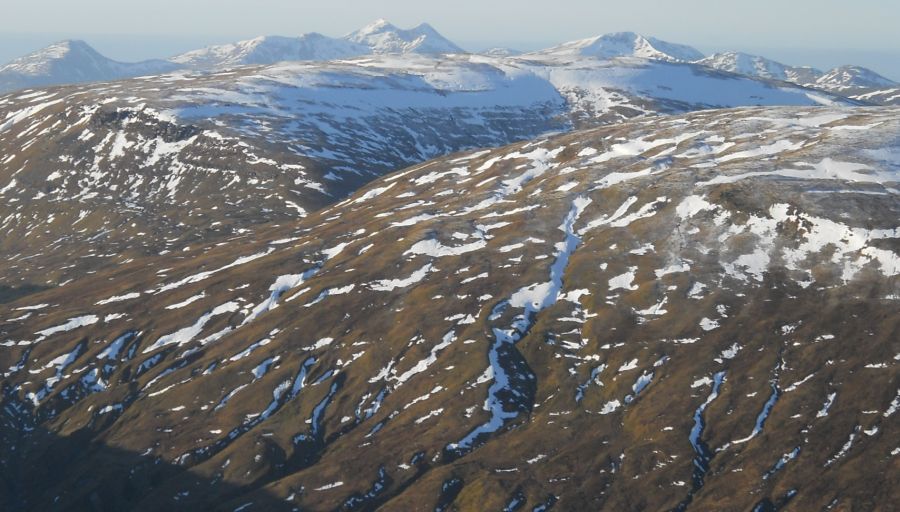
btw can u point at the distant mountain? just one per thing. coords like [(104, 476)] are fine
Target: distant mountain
[(380, 37), (383, 37), (72, 62), (754, 65), (853, 79), (803, 75), (625, 44), (501, 52), (271, 49)]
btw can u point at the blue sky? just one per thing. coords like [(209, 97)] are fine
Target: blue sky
[(823, 33)]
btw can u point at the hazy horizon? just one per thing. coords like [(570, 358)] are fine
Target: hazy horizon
[(803, 33)]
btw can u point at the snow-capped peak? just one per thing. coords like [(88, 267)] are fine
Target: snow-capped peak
[(383, 37), (42, 60), (378, 25), (625, 44), (72, 61), (271, 49)]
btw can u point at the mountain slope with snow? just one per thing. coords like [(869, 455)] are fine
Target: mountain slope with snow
[(691, 312), (123, 160), (383, 37), (593, 278), (615, 89), (69, 62), (270, 50)]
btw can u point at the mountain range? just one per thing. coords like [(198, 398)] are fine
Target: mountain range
[(75, 61)]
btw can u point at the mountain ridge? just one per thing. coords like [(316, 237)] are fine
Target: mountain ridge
[(382, 37)]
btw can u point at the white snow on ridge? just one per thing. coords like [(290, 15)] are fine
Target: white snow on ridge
[(72, 323), (187, 334), (186, 302), (426, 363), (204, 275), (373, 193), (436, 249), (281, 285), (827, 169), (610, 407), (853, 249), (387, 285), (118, 298), (18, 116), (332, 252), (624, 281)]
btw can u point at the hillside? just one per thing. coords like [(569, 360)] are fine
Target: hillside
[(702, 305)]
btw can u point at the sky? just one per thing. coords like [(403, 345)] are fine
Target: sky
[(822, 33)]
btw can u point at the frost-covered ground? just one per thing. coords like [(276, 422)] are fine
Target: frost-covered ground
[(703, 305)]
